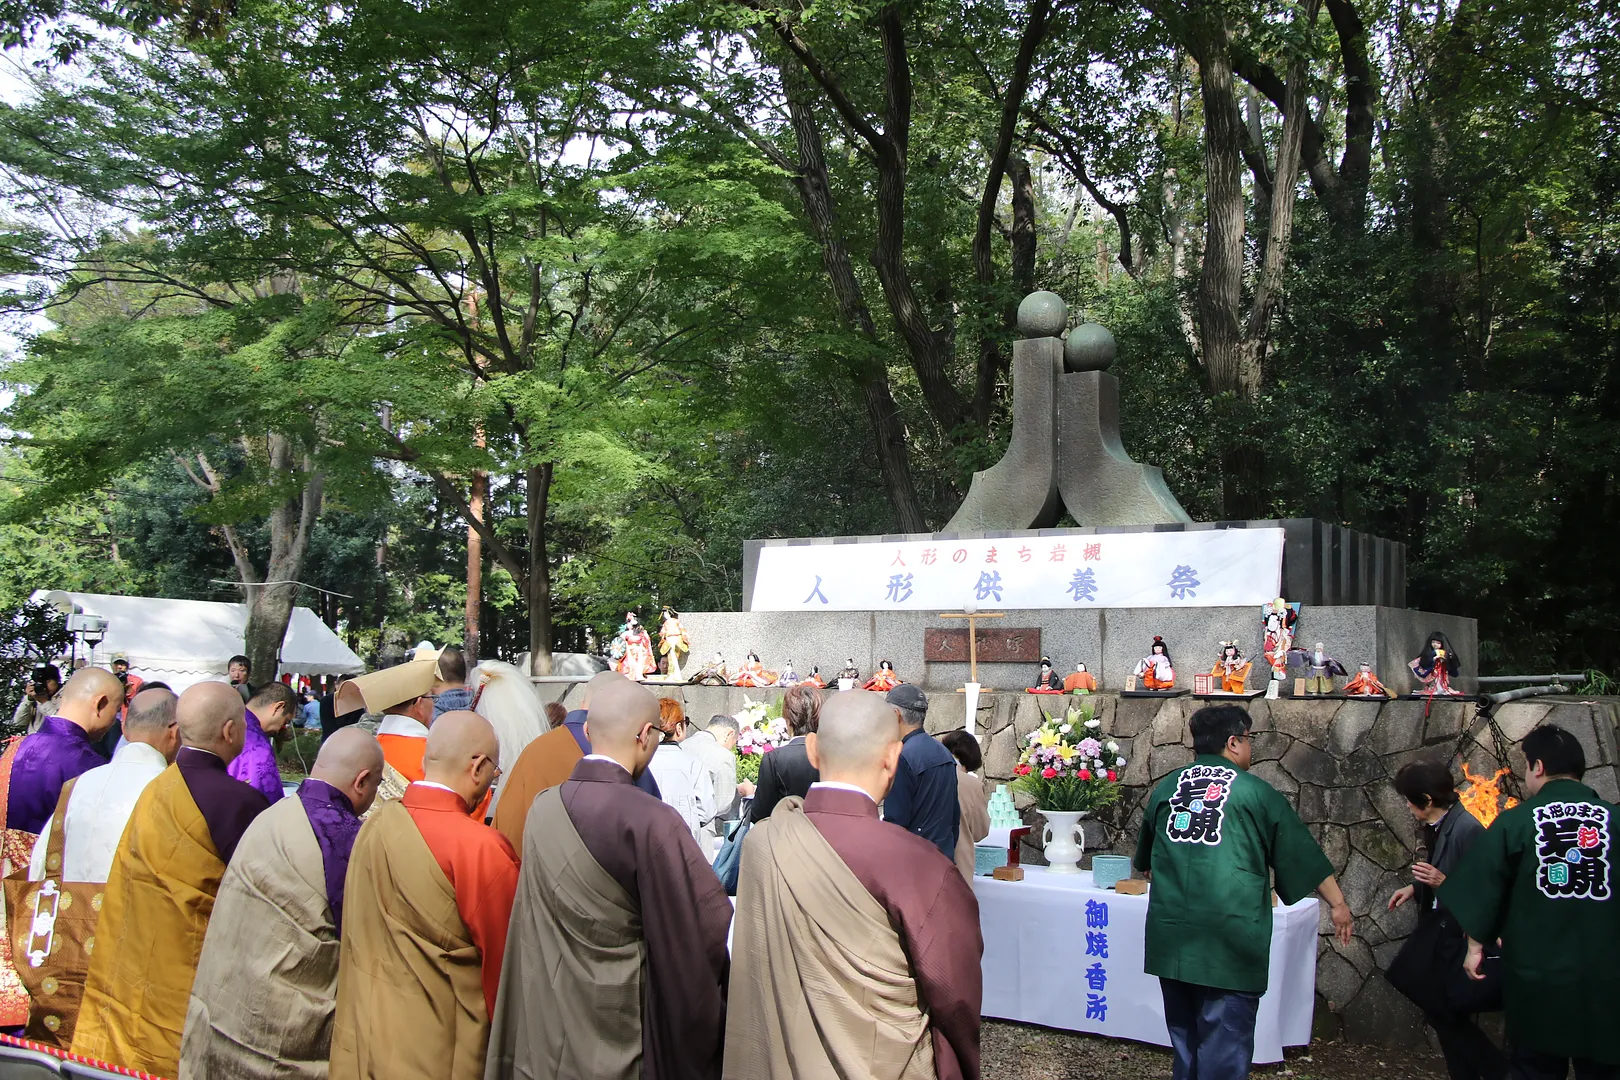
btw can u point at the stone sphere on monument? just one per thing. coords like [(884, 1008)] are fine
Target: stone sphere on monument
[(1042, 314), (1089, 347)]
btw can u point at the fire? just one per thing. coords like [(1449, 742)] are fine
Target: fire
[(1483, 794)]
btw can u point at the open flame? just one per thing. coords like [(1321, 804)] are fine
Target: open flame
[(1483, 796)]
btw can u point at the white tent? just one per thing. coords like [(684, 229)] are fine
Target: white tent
[(189, 641)]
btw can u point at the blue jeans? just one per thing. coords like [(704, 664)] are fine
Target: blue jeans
[(1211, 1031)]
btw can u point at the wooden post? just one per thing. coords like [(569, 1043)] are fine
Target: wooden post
[(973, 618)]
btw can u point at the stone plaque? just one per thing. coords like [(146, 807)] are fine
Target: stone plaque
[(1002, 645)]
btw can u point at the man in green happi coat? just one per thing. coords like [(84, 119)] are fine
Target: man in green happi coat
[(1542, 880), (1212, 837)]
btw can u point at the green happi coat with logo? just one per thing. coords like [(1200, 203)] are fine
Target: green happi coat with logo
[(1214, 836), (1542, 879)]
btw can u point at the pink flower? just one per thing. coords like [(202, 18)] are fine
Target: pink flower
[(767, 749), (1048, 772), (1084, 774), (1022, 770)]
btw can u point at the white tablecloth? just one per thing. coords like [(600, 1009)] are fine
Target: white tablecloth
[(1041, 962)]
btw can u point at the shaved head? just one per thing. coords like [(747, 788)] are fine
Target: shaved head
[(599, 681), (351, 760), (623, 724), (857, 741), (462, 752), (150, 714), (91, 700), (210, 718)]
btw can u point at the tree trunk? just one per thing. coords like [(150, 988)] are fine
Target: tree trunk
[(538, 484), (475, 566), (1220, 284)]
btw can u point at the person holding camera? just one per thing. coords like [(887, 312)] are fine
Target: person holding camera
[(40, 700)]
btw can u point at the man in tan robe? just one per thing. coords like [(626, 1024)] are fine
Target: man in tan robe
[(857, 942), (426, 907), (616, 966), (262, 1003)]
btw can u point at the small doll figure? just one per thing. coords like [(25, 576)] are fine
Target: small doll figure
[(814, 679), (1279, 617), (633, 649), (789, 677), (753, 673), (885, 679), (673, 644), (1080, 681), (1232, 669), (850, 672), (1154, 669), (1365, 684), (1435, 667), (713, 673), (1320, 668), (1046, 680)]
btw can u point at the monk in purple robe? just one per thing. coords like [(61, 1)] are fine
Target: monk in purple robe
[(268, 712), (263, 1001), (63, 747), (161, 891), (616, 958), (857, 943)]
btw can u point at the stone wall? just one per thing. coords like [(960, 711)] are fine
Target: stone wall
[(1334, 759)]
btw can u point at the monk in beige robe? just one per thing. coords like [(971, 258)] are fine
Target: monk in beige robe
[(425, 913), (266, 986), (161, 891), (857, 942), (617, 962)]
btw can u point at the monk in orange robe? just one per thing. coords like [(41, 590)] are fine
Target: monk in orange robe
[(160, 894), (426, 906)]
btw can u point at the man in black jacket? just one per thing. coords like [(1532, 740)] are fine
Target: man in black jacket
[(787, 770)]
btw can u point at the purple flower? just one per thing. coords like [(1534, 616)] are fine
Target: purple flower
[(1090, 748)]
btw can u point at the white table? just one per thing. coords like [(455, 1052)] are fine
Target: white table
[(1037, 968)]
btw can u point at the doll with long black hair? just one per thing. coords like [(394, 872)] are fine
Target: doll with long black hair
[(1436, 666)]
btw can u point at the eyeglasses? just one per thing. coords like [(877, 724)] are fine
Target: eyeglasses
[(491, 763)]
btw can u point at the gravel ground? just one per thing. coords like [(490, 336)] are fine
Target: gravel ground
[(1023, 1052)]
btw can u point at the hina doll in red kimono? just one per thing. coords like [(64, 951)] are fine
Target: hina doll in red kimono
[(814, 679), (1154, 669), (633, 651), (1365, 684), (753, 673), (885, 679), (1435, 667)]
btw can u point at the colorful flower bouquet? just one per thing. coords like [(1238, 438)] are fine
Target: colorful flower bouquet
[(1068, 764), (761, 729)]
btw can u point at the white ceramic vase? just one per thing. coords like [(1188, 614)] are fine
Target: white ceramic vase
[(1065, 841)]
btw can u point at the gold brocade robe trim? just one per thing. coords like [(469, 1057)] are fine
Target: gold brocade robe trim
[(155, 913), (410, 994)]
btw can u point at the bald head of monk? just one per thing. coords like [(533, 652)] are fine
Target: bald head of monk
[(623, 724), (91, 700), (598, 681), (351, 760), (150, 720), (463, 754), (210, 716), (856, 742)]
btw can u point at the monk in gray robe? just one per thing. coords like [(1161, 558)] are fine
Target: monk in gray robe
[(616, 956), (857, 942), (262, 1003)]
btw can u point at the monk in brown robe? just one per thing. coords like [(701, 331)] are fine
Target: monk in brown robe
[(426, 906), (616, 968), (544, 763), (266, 986), (857, 943), (160, 894)]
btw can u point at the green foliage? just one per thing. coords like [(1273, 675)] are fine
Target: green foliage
[(31, 633)]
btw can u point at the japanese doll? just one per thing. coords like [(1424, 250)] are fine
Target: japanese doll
[(712, 674), (1046, 680), (814, 679), (789, 677), (753, 673), (850, 672), (1365, 684), (1154, 669), (1435, 667), (1280, 617), (1320, 669), (673, 644), (633, 649), (884, 680), (1231, 669), (1080, 681)]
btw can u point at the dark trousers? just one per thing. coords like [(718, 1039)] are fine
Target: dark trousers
[(1211, 1031), (1524, 1066), (1470, 1054)]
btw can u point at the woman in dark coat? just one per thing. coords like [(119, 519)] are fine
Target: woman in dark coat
[(1449, 830)]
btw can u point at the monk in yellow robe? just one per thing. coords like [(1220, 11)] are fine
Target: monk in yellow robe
[(426, 907), (161, 892)]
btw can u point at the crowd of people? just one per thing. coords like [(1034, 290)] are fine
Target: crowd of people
[(483, 888)]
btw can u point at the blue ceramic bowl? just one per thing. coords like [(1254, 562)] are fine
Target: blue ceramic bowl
[(1108, 869)]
